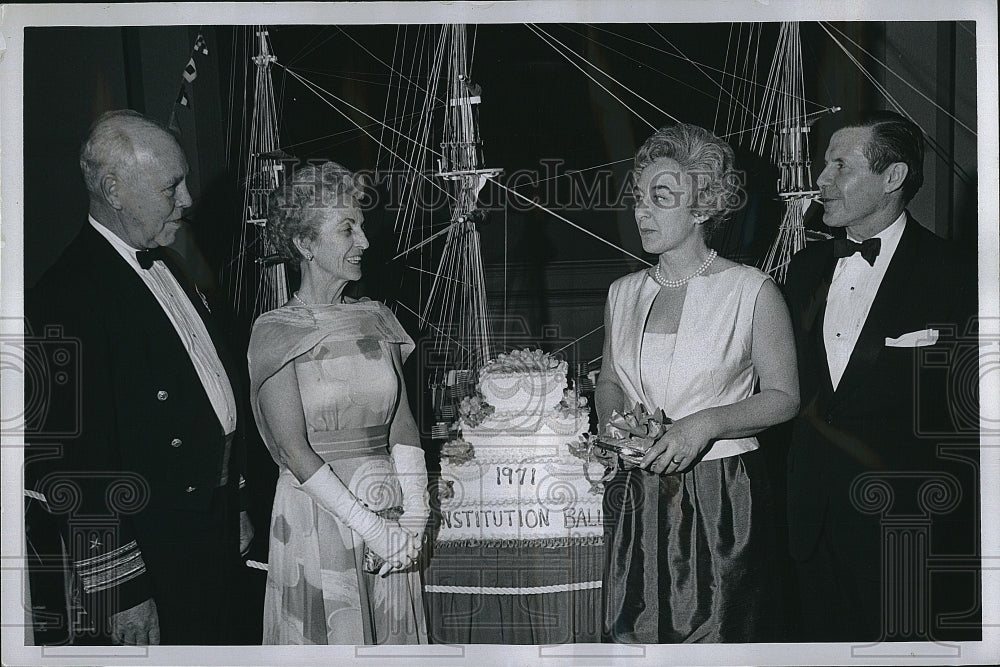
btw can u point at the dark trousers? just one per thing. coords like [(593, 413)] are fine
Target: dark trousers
[(192, 560), (842, 596), (835, 602)]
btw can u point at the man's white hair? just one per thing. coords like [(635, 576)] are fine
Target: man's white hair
[(110, 146)]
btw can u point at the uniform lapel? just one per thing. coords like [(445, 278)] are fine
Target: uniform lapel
[(131, 297), (139, 308), (871, 341), (201, 305)]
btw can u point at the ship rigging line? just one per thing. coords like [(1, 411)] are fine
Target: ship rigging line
[(419, 270), (701, 66), (385, 111), (647, 66), (314, 43), (546, 38), (566, 220), (571, 172), (581, 170), (938, 150), (314, 88), (353, 132), (698, 67), (385, 64), (421, 244), (893, 72), (574, 342), (431, 325), (317, 89)]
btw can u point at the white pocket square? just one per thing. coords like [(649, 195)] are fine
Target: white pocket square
[(920, 338)]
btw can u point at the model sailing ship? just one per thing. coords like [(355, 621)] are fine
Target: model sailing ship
[(434, 138)]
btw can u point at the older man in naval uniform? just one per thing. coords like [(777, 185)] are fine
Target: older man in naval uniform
[(147, 490)]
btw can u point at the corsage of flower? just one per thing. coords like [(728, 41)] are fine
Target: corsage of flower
[(629, 436)]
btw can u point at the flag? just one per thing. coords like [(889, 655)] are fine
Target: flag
[(182, 98), (191, 71), (201, 45)]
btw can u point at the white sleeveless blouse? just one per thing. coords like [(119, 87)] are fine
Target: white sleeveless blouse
[(710, 364)]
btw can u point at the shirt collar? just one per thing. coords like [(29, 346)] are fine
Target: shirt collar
[(890, 238), (124, 249), (887, 234)]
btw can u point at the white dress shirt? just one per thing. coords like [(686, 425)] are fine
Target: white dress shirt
[(852, 291), (188, 325)]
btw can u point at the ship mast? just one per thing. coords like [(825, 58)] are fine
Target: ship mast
[(783, 108), (259, 283), (456, 303)]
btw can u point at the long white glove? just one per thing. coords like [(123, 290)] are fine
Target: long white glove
[(385, 538), (411, 471)]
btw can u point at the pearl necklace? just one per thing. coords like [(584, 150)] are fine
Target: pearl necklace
[(295, 295), (658, 277)]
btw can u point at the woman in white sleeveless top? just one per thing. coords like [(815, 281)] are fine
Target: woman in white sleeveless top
[(689, 543)]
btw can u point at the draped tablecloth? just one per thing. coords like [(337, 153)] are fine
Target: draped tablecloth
[(514, 594)]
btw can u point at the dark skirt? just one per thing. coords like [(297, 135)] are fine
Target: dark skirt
[(688, 556)]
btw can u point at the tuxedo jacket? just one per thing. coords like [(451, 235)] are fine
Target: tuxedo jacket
[(893, 405), (143, 435)]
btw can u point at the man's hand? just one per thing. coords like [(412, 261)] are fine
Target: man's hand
[(246, 532), (138, 626)]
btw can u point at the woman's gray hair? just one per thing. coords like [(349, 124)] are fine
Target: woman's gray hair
[(707, 159), (291, 207)]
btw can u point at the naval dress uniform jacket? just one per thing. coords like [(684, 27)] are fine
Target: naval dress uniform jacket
[(137, 487), (880, 429)]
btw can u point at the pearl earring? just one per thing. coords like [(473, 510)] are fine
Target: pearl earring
[(308, 255)]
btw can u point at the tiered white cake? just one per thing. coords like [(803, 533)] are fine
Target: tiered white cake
[(523, 484)]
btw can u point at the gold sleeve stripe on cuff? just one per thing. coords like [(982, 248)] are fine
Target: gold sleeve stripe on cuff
[(111, 569)]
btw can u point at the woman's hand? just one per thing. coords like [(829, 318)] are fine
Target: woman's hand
[(681, 445), (404, 548)]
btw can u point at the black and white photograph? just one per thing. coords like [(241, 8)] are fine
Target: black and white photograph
[(555, 332)]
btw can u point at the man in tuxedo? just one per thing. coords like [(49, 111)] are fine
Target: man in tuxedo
[(867, 310), (146, 489)]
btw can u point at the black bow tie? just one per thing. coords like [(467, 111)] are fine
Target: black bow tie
[(869, 249), (147, 257)]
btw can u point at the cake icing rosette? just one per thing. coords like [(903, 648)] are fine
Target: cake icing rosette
[(458, 451), (519, 361), (474, 409)]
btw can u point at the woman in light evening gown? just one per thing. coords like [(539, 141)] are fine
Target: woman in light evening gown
[(350, 506), (688, 529)]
